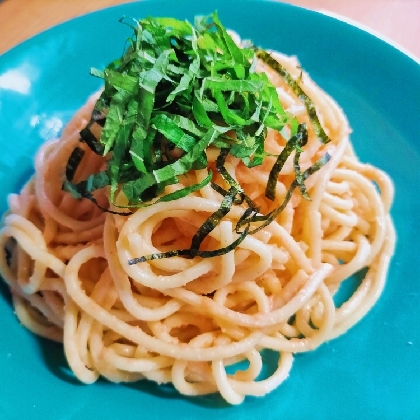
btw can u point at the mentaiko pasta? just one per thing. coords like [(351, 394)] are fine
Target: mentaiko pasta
[(184, 321)]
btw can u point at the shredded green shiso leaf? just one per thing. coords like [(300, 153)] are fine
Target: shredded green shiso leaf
[(177, 90)]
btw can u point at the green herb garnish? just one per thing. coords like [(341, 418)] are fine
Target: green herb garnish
[(177, 90)]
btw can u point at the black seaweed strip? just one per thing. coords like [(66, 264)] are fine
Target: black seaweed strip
[(88, 137), (73, 162), (214, 219), (237, 200), (269, 217), (310, 107), (191, 253), (294, 143), (299, 175), (220, 161)]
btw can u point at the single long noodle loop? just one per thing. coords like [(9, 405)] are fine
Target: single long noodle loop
[(185, 321)]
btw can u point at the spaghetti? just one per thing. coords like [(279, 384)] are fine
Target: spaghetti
[(184, 321)]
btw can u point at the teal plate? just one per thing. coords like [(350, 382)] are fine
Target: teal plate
[(373, 371)]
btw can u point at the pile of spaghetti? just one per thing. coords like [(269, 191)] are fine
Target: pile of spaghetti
[(205, 206)]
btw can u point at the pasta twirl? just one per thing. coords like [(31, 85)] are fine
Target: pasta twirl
[(184, 321)]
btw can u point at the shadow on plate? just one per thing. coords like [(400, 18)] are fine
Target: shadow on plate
[(5, 294), (55, 360), (53, 356)]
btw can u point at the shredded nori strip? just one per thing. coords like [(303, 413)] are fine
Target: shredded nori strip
[(191, 253), (220, 162), (270, 217), (214, 219), (73, 162), (294, 144), (237, 200), (304, 98), (89, 138)]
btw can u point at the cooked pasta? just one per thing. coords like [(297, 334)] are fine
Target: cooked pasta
[(186, 320)]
